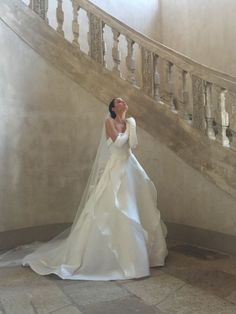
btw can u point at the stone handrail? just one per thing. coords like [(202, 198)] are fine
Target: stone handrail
[(204, 97)]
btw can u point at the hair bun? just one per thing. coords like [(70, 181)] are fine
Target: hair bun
[(111, 106)]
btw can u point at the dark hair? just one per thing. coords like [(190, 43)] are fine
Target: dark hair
[(112, 105)]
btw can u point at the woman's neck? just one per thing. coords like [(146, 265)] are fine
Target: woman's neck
[(120, 117)]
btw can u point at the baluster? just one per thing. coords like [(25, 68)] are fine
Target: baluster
[(89, 34), (171, 86), (199, 121), (233, 143), (232, 139), (75, 24), (40, 7), (104, 47), (182, 95), (166, 88), (147, 72), (156, 78), (223, 119), (44, 10), (209, 111), (60, 18), (186, 98), (164, 81), (130, 62), (95, 38), (231, 110), (116, 52), (35, 5), (179, 92)]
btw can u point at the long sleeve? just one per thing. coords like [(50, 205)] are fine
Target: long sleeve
[(121, 139), (129, 135), (133, 141)]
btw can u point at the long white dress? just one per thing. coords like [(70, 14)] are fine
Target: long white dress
[(119, 234)]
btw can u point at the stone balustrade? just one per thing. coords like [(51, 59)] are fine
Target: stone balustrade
[(202, 96)]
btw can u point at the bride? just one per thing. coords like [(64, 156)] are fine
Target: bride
[(117, 232)]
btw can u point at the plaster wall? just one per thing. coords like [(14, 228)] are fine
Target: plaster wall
[(203, 30), (49, 132)]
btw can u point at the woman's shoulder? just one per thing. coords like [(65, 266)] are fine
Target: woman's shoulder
[(109, 121)]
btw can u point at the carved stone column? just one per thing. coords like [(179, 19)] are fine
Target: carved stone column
[(222, 119), (104, 47), (40, 7), (75, 23), (95, 38), (167, 84), (147, 72), (233, 143), (230, 107), (156, 77), (179, 90), (116, 52), (186, 97), (209, 111), (130, 62), (199, 121), (181, 93), (60, 18), (170, 85)]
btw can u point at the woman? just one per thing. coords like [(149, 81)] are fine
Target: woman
[(117, 232)]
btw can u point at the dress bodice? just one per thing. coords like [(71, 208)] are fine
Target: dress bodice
[(125, 141), (120, 149)]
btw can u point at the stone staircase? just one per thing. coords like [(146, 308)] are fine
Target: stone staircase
[(189, 107)]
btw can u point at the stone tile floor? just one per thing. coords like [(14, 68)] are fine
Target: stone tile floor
[(193, 280)]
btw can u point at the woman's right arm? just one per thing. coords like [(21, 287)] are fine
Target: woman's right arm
[(110, 129), (119, 139)]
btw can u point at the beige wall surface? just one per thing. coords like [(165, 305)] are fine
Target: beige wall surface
[(49, 132), (204, 30), (48, 136)]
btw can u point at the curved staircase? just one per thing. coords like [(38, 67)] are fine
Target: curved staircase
[(189, 107)]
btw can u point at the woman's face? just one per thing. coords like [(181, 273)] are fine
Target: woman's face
[(120, 105)]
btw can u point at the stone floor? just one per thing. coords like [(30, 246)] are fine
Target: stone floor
[(193, 281)]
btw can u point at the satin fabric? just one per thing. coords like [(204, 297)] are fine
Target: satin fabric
[(119, 234)]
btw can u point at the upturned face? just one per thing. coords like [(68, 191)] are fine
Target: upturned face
[(120, 105)]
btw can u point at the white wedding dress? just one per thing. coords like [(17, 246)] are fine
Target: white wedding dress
[(119, 233)]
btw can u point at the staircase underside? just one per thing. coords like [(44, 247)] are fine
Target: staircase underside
[(215, 162)]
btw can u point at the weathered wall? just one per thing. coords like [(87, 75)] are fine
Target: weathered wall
[(48, 133), (203, 30)]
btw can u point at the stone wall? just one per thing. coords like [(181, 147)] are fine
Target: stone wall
[(48, 135), (203, 30)]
